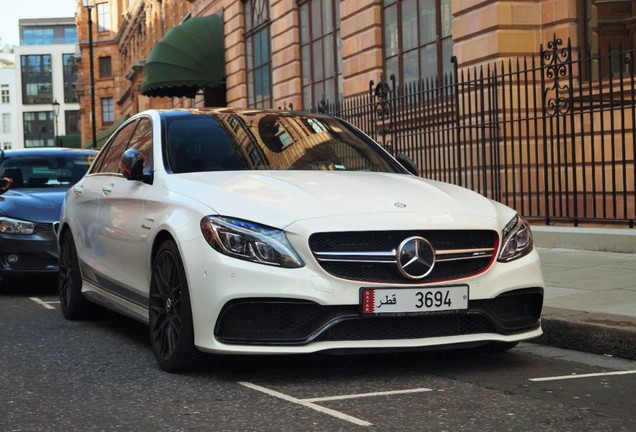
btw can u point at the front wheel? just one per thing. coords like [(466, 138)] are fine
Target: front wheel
[(73, 303), (170, 312)]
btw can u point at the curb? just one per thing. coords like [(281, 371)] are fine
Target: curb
[(592, 239), (612, 335)]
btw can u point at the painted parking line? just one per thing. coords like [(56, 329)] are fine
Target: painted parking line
[(575, 376), (45, 304), (310, 403), (362, 395)]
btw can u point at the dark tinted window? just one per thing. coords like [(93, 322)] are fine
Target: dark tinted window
[(45, 171), (270, 141)]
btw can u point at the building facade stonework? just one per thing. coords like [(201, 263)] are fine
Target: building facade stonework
[(522, 100), (480, 31)]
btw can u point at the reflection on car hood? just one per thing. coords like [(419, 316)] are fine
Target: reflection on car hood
[(279, 198), (36, 205)]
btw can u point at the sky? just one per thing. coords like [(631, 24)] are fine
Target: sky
[(13, 10)]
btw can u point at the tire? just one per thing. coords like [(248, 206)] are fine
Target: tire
[(73, 303), (170, 312)]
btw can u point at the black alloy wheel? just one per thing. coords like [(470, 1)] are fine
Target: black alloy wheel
[(170, 313), (73, 303)]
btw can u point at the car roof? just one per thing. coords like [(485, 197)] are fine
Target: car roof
[(210, 110), (45, 151)]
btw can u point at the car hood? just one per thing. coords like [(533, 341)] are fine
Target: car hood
[(280, 198), (36, 205)]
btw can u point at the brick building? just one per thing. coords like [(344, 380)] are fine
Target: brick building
[(282, 53), (551, 136), (299, 53)]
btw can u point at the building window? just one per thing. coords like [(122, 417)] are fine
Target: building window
[(71, 120), (56, 34), (5, 96), (6, 146), (321, 53), (105, 68), (108, 110), (70, 35), (38, 36), (103, 17), (257, 41), (6, 123), (417, 39), (37, 81), (606, 29), (70, 77), (38, 129)]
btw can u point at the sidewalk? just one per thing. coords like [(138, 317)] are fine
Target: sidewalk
[(590, 297)]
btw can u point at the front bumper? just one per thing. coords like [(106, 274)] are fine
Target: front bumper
[(291, 322), (36, 253), (246, 308)]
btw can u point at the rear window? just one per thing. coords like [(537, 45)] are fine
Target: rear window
[(45, 171)]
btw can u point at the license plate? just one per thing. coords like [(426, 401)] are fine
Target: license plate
[(414, 300)]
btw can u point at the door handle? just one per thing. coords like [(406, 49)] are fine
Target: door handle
[(107, 189), (77, 190)]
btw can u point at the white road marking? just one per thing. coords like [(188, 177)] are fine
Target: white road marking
[(309, 403), (41, 302), (574, 376), (361, 395)]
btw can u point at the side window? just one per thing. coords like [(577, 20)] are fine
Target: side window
[(142, 141), (108, 159)]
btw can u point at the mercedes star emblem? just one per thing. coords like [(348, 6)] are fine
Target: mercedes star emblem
[(415, 258)]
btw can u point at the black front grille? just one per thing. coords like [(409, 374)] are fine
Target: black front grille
[(30, 261), (415, 327), (388, 273), (290, 322), (276, 320), (43, 227), (361, 241), (370, 256)]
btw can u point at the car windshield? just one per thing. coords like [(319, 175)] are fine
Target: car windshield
[(270, 141), (45, 171)]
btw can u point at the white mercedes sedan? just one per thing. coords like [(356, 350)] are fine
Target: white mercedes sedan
[(271, 232)]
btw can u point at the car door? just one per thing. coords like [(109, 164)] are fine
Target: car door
[(124, 229), (87, 196)]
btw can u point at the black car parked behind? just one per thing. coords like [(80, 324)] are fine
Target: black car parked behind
[(30, 208)]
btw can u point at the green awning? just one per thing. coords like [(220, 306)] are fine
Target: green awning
[(190, 56)]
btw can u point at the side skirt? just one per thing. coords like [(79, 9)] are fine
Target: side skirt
[(111, 301)]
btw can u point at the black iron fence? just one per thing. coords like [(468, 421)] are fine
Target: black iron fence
[(552, 135)]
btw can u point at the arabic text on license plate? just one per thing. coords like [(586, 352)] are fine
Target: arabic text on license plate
[(414, 300)]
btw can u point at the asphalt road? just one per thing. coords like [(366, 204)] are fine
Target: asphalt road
[(100, 375)]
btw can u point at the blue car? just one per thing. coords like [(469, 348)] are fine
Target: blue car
[(30, 208)]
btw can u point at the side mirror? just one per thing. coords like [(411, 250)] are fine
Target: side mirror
[(131, 165), (407, 164)]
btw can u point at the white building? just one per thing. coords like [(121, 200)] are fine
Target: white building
[(8, 101), (46, 73)]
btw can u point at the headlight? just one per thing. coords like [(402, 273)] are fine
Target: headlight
[(249, 241), (16, 226), (517, 240)]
